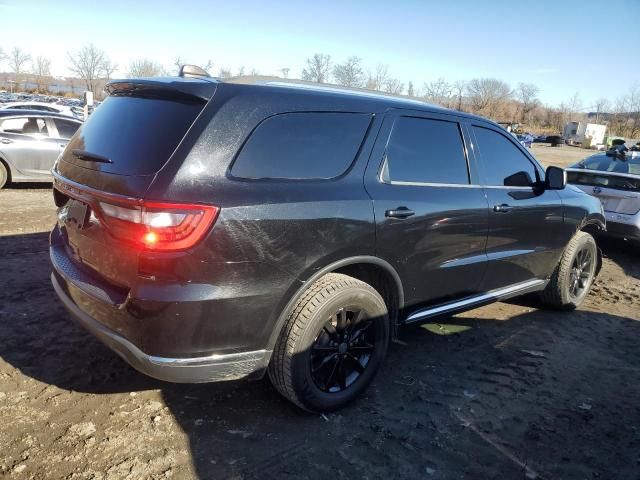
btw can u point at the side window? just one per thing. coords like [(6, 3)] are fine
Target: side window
[(66, 128), (425, 151), (12, 125), (503, 163), (302, 146), (25, 126)]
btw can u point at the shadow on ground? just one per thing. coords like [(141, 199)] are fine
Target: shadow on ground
[(544, 393)]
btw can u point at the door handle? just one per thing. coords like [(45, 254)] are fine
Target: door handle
[(400, 212), (502, 208), (62, 145), (6, 140)]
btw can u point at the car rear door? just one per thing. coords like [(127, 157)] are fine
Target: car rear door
[(27, 145), (431, 216), (526, 233)]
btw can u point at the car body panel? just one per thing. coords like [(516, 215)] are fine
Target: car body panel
[(232, 291), (616, 184), (31, 157)]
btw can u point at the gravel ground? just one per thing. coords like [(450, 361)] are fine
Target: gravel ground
[(507, 391)]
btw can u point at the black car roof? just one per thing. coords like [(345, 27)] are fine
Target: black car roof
[(19, 112), (333, 96)]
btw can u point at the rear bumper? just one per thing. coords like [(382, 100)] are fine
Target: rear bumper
[(212, 368)]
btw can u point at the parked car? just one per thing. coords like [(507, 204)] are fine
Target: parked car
[(40, 106), (614, 178), (555, 140), (525, 140), (292, 230), (30, 142)]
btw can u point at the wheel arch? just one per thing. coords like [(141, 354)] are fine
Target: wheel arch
[(7, 167), (372, 270), (593, 225)]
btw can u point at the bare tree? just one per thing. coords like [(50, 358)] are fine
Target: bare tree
[(526, 94), (601, 106), (240, 71), (394, 86), (144, 67), (285, 72), (3, 56), (179, 61), (458, 89), (378, 79), (410, 90), (318, 68), (224, 73), (487, 95), (254, 72), (574, 105), (438, 92), (349, 73), (91, 64), (633, 106), (41, 71), (18, 60)]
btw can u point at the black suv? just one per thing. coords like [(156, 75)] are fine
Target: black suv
[(212, 231)]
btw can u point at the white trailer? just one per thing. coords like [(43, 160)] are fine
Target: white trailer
[(575, 133)]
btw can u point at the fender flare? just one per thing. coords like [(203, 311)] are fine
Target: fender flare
[(360, 259)]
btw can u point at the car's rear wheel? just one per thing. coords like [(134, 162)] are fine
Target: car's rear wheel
[(574, 275), (4, 176), (331, 345)]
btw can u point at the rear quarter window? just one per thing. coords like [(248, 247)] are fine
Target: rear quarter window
[(302, 146)]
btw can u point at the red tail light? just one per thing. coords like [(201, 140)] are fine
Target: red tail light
[(157, 225)]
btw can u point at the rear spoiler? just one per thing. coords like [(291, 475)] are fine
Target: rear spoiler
[(202, 88)]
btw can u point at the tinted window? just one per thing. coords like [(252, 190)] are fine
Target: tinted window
[(426, 151), (302, 146), (502, 162), (605, 163), (66, 128), (137, 134)]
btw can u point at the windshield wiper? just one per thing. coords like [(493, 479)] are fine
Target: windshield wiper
[(90, 157)]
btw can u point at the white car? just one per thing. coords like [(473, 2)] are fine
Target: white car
[(42, 106), (613, 177)]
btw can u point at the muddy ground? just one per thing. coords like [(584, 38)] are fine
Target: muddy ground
[(507, 391)]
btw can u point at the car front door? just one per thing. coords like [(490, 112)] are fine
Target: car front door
[(526, 234), (28, 146), (431, 217)]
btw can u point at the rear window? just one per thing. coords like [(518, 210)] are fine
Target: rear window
[(137, 134), (605, 163), (302, 146), (608, 181)]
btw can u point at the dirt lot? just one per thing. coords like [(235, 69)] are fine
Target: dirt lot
[(506, 391)]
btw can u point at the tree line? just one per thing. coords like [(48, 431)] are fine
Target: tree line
[(489, 97)]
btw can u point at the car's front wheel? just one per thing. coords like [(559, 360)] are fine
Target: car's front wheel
[(574, 275), (332, 344), (4, 175)]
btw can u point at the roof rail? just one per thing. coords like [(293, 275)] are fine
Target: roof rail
[(192, 71)]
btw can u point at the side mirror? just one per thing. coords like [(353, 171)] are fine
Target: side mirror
[(555, 179)]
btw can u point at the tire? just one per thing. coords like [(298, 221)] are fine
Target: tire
[(4, 176), (324, 339), (572, 271)]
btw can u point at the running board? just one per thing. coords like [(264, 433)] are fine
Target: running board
[(482, 299)]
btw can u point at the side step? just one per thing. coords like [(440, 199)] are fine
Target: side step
[(478, 300)]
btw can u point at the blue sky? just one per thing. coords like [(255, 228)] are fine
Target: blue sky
[(564, 47)]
